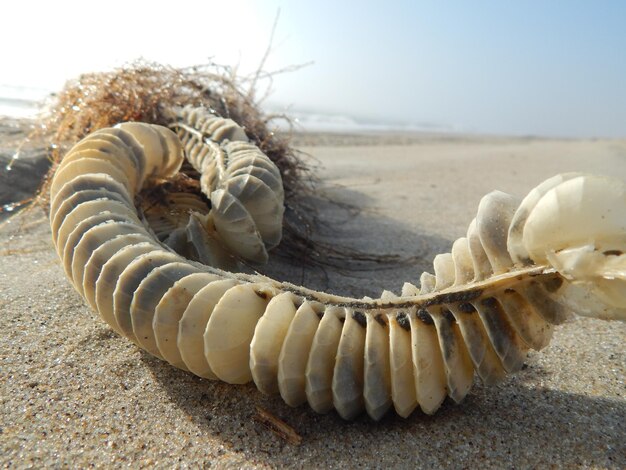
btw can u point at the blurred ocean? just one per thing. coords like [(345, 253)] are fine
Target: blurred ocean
[(313, 121), (21, 102), (26, 102)]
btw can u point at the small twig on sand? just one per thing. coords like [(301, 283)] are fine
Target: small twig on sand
[(277, 426)]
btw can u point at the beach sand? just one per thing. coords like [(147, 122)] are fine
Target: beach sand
[(73, 393)]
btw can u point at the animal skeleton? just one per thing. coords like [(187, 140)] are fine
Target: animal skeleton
[(522, 268)]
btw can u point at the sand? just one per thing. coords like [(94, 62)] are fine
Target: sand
[(73, 393)]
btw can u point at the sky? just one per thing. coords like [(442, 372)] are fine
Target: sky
[(549, 68)]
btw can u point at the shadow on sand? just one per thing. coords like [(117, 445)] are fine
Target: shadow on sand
[(514, 422), (371, 252)]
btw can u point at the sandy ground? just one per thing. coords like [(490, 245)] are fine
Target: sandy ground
[(73, 393)]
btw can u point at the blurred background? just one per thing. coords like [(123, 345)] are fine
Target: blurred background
[(539, 68)]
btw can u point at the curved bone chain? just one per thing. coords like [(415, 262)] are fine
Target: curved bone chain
[(520, 270), (243, 184)]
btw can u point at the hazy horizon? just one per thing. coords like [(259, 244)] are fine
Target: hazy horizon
[(533, 68)]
